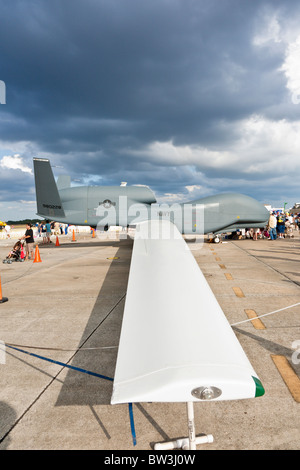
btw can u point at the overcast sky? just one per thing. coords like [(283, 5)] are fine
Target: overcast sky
[(190, 97)]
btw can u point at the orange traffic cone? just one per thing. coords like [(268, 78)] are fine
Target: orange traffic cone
[(57, 241), (93, 236), (37, 258), (73, 238), (2, 299)]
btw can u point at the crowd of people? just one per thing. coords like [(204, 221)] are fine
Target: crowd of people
[(46, 228), (280, 225)]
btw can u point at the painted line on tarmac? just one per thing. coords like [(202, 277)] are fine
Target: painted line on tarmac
[(289, 376), (228, 276), (251, 314), (238, 292), (256, 322)]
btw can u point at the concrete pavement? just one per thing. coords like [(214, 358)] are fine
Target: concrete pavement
[(69, 307)]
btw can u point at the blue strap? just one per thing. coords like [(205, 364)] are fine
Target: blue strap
[(132, 423), (62, 364), (86, 372)]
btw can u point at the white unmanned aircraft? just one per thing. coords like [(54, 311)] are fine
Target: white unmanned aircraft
[(176, 344)]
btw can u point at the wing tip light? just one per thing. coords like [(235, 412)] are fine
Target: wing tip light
[(259, 389)]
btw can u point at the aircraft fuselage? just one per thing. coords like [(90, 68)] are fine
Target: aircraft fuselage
[(128, 205)]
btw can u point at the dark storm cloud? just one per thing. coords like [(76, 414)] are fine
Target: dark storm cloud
[(20, 183), (92, 84), (158, 61)]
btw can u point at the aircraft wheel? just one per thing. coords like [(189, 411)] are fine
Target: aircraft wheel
[(217, 240)]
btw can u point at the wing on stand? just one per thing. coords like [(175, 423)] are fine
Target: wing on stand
[(176, 344)]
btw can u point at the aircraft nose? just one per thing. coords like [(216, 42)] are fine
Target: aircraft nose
[(253, 210), (263, 213)]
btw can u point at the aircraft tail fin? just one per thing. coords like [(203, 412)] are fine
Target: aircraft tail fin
[(48, 200)]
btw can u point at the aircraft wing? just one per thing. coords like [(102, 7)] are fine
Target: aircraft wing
[(176, 344)]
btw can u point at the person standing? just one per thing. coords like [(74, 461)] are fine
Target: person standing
[(7, 230), (48, 231), (43, 232), (280, 225), (29, 242), (272, 227)]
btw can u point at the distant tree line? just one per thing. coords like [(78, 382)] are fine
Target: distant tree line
[(23, 222)]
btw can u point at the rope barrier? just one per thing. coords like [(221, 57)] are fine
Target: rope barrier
[(265, 314), (60, 349)]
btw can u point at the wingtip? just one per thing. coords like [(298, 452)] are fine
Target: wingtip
[(259, 389)]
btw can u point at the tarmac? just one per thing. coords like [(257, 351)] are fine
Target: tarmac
[(62, 323)]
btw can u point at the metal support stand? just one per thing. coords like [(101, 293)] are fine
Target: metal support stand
[(190, 442)]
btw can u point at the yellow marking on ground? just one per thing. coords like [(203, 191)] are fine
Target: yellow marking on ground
[(222, 266), (238, 292), (228, 276), (256, 322), (289, 376), (217, 258)]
